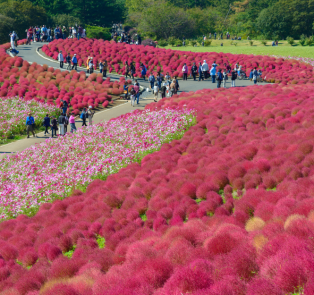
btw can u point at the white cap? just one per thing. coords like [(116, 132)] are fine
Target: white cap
[(90, 107), (74, 53)]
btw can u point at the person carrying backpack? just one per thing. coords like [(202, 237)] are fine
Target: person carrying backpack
[(83, 117), (61, 121), (74, 61), (163, 90)]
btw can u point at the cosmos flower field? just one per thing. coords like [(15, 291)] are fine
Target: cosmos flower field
[(227, 208)]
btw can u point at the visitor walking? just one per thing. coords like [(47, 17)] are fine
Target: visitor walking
[(173, 87), (200, 72), (137, 91), (46, 124), (132, 69), (159, 80), (68, 61), (213, 74), (30, 125), (132, 97), (101, 66), (233, 78), (61, 121), (219, 78), (74, 61), (54, 126), (143, 72), (194, 71), (225, 78), (205, 69), (156, 90), (60, 59), (104, 72), (255, 75), (163, 90), (72, 123), (127, 70), (83, 117), (151, 80), (90, 115), (185, 72)]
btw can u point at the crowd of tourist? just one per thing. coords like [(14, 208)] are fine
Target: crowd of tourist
[(61, 123), (47, 34)]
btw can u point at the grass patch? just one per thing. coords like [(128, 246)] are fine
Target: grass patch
[(100, 241), (69, 254), (244, 47)]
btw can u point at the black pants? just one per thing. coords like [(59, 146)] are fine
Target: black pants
[(46, 129), (74, 66), (61, 64), (65, 128), (69, 66), (104, 73), (185, 76), (84, 122), (163, 94), (194, 76)]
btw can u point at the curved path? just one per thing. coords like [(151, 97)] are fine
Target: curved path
[(30, 53)]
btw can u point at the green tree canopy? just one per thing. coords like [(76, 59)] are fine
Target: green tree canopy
[(164, 20), (287, 18), (24, 14), (6, 25)]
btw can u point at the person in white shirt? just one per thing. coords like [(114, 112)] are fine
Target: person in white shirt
[(60, 59), (205, 69), (74, 32), (84, 33), (12, 39), (156, 89)]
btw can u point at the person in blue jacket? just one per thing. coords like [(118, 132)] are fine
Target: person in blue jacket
[(151, 79), (143, 71), (213, 73), (46, 123), (219, 78), (30, 124), (74, 61)]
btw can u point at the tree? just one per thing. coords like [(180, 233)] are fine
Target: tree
[(24, 15), (164, 20), (65, 20), (97, 12), (296, 19), (205, 20), (6, 25)]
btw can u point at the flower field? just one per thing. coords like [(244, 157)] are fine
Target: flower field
[(43, 172), (47, 85), (227, 209), (14, 112), (275, 70)]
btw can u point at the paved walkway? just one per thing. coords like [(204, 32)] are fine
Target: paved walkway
[(29, 53)]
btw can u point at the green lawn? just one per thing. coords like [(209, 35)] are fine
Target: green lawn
[(283, 49)]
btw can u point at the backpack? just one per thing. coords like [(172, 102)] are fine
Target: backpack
[(66, 121), (82, 116), (86, 115), (65, 104)]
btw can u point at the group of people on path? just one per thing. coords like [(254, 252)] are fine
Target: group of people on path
[(48, 34), (165, 85), (61, 123), (133, 93)]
